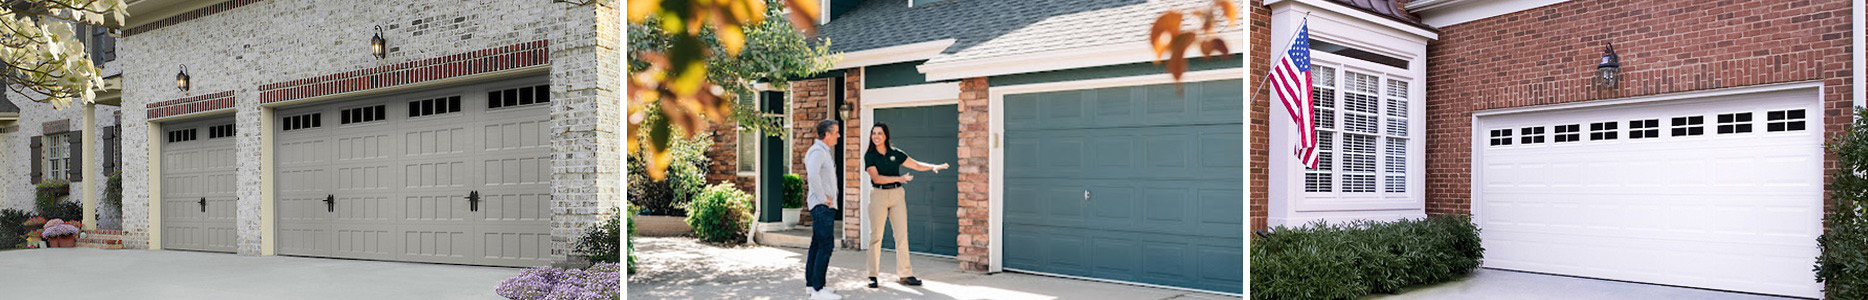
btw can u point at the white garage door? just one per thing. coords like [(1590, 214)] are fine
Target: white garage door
[(457, 175), (1720, 193)]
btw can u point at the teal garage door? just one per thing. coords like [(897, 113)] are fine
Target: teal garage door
[(1137, 184), (929, 134)]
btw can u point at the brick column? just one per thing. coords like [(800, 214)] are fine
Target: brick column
[(809, 101), (975, 178), (853, 159)]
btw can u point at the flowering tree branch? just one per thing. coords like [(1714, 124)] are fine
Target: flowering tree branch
[(42, 52)]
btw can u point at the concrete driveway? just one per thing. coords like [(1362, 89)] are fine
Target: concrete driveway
[(682, 268), (79, 273), (1501, 284)]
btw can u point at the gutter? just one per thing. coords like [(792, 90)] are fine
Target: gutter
[(1859, 89)]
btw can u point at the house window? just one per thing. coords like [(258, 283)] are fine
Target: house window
[(1735, 123), (1501, 137), (1641, 129), (1531, 135), (1783, 120), (1685, 126), (748, 161), (1363, 131), (57, 156), (1569, 133), (1602, 131)]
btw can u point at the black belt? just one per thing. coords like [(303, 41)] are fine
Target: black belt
[(887, 186)]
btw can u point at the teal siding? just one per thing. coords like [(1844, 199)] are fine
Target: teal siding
[(928, 134), (1164, 173), (1135, 69), (893, 75)]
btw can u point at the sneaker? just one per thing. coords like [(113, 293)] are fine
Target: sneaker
[(910, 281), (872, 283), (808, 292), (826, 294)]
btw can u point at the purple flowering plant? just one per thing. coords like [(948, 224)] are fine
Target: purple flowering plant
[(56, 228), (599, 282)]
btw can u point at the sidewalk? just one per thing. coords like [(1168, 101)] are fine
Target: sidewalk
[(682, 268)]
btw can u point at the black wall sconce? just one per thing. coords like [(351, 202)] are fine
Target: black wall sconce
[(1609, 71), (181, 79), (379, 46)]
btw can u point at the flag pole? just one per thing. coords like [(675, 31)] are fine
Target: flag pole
[(1287, 47)]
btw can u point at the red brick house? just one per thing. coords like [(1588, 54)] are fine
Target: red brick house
[(1700, 166)]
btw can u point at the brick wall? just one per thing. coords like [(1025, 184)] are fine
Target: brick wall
[(1260, 35), (975, 164), (853, 157), (1665, 47), (724, 156), (809, 100)]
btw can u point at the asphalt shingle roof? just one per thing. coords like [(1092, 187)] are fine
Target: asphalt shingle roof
[(991, 28)]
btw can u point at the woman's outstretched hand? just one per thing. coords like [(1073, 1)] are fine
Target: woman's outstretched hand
[(937, 168)]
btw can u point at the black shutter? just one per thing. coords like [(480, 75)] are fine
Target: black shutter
[(112, 149), (74, 167), (38, 159)]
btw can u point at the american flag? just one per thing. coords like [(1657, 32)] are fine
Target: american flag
[(1290, 78)]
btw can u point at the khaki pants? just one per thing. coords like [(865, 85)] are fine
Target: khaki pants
[(886, 204)]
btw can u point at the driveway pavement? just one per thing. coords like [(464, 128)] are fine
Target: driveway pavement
[(80, 273), (1501, 284), (681, 268)]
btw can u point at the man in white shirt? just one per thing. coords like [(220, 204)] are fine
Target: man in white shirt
[(821, 177)]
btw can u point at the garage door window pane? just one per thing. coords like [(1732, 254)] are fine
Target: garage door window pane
[(1531, 135), (1501, 137), (1784, 120), (1690, 125), (1641, 129), (1735, 123), (1602, 131), (1569, 133)]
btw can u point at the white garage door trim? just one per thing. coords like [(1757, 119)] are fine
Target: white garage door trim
[(1785, 94)]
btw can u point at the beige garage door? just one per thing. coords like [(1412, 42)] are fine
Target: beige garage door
[(455, 175), (198, 185)]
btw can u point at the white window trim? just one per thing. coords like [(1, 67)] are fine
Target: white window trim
[(1344, 65), (739, 163), (57, 156)]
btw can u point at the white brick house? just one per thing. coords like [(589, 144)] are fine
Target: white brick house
[(507, 108)]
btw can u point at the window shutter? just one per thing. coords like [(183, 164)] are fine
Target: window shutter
[(38, 159), (112, 151), (74, 168)]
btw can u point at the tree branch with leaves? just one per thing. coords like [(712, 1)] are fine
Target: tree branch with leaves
[(41, 52)]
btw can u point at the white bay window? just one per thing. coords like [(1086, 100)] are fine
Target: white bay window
[(1363, 134)]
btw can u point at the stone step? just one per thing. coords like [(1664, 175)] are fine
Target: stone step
[(101, 239), (797, 237)]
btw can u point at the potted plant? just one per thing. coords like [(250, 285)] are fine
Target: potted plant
[(60, 235), (794, 199), (32, 239)]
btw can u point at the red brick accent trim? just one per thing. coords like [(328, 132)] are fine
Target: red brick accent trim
[(488, 60), (975, 164), (189, 105), (188, 16)]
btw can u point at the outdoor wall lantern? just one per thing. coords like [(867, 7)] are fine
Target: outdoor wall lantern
[(1609, 71), (181, 79), (379, 46)]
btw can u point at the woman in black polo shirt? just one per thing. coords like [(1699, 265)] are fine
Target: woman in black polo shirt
[(884, 164)]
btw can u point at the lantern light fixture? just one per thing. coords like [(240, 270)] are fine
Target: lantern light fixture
[(378, 45), (181, 79), (1609, 71)]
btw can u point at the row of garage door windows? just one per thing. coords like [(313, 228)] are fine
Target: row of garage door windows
[(425, 107), (1732, 123)]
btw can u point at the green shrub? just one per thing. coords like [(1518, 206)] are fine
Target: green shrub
[(1842, 265), (113, 190), (686, 177), (599, 243), (46, 194), (794, 191), (12, 232), (721, 214), (1347, 261)]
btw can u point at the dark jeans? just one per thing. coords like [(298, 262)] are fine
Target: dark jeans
[(817, 261)]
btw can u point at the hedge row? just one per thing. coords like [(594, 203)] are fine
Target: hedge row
[(1347, 261)]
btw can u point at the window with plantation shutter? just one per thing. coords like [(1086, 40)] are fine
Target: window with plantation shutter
[(1363, 131)]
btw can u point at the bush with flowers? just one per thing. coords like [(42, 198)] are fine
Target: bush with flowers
[(600, 282)]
